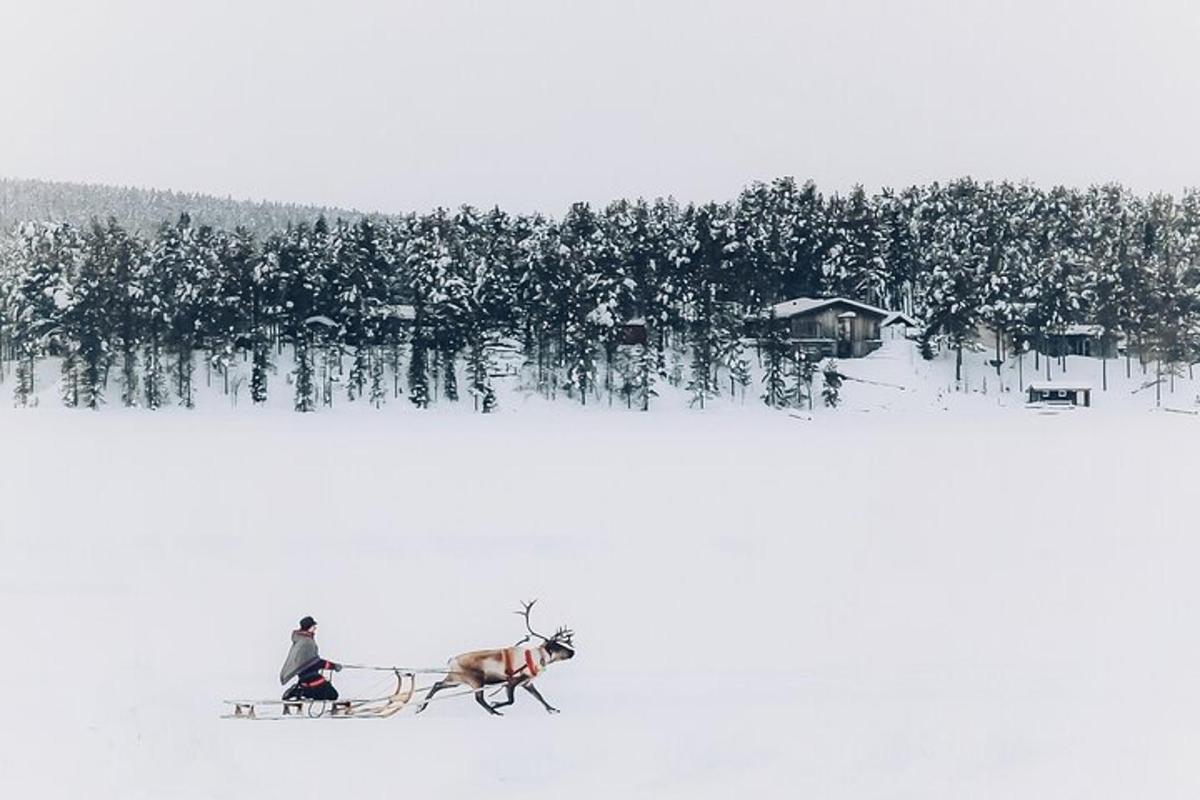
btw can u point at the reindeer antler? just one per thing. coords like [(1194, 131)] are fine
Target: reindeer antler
[(563, 634), (525, 613)]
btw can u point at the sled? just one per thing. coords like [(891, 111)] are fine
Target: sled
[(364, 708)]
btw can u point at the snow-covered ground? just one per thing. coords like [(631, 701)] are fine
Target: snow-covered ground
[(922, 594)]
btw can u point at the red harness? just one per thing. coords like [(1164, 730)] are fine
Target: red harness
[(530, 663)]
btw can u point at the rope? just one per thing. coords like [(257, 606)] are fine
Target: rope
[(413, 670)]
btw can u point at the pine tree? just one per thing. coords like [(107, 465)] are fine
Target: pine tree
[(855, 264), (418, 381), (378, 393), (803, 369), (775, 348), (127, 254), (831, 393), (957, 258), (479, 365), (36, 300), (303, 375)]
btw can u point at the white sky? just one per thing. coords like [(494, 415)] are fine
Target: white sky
[(393, 105)]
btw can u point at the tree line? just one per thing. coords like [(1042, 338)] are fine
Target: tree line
[(425, 305)]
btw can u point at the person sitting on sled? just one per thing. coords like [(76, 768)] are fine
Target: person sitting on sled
[(305, 664)]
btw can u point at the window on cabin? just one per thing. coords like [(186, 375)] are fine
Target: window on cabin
[(808, 329)]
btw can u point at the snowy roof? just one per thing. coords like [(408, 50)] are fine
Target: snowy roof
[(895, 317), (321, 319), (399, 311), (1083, 330), (635, 321), (1049, 386), (805, 305)]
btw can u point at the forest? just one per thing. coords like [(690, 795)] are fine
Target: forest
[(423, 306)]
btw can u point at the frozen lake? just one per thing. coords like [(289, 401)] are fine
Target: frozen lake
[(924, 605)]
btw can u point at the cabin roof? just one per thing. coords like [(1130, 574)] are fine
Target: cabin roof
[(895, 317), (1070, 386), (397, 311), (807, 305), (1083, 330)]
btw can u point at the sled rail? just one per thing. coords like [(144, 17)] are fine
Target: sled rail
[(349, 708)]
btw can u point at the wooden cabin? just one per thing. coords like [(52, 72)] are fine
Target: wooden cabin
[(396, 319), (1081, 340), (1060, 393), (831, 326)]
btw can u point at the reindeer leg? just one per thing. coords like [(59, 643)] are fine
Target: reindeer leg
[(437, 687), (479, 699), (510, 688), (530, 688)]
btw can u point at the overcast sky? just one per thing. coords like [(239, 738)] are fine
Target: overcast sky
[(390, 105)]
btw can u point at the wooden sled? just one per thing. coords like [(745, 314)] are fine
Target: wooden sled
[(368, 708)]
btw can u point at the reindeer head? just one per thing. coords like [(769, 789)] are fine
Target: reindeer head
[(560, 646)]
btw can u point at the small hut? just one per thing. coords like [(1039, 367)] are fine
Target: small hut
[(1060, 393), (898, 325), (632, 331), (1081, 340)]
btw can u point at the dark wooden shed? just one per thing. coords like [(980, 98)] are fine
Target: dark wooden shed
[(632, 331), (1081, 340), (1060, 393)]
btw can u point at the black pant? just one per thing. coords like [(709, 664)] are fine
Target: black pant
[(322, 691)]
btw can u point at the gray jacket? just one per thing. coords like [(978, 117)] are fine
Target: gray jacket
[(303, 653)]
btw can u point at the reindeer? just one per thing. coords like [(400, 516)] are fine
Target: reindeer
[(513, 667)]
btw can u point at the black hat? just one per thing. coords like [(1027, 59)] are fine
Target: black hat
[(307, 623)]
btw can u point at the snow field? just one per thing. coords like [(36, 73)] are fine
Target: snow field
[(917, 605)]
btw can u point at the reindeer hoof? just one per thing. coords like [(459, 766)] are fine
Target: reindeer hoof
[(552, 710)]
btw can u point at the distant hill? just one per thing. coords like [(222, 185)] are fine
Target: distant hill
[(144, 209)]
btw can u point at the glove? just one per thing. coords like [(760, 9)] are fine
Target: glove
[(337, 667)]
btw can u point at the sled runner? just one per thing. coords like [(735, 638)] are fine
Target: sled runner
[(365, 708)]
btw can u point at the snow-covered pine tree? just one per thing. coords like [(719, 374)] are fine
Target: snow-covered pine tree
[(93, 330), (1104, 247), (1171, 302), (705, 258), (74, 311), (799, 220), (957, 258), (897, 215), (261, 280), (154, 311), (589, 310), (855, 265), (182, 258), (358, 293), (479, 365), (127, 255), (775, 349), (378, 392), (297, 262), (418, 370), (803, 368), (36, 300), (305, 393), (831, 392)]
